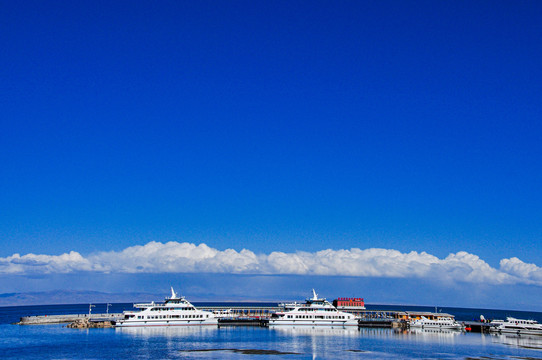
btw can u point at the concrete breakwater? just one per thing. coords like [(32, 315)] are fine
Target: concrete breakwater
[(70, 318)]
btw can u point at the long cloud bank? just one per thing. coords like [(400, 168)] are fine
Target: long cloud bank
[(175, 257)]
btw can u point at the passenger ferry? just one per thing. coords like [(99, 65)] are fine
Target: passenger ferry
[(314, 312), (175, 311), (516, 326), (441, 323)]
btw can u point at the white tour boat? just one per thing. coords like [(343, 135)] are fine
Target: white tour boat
[(314, 312), (516, 326), (441, 323), (175, 311)]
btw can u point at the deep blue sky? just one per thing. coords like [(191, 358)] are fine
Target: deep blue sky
[(272, 125)]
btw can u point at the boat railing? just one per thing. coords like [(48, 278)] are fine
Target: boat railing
[(293, 304), (144, 305)]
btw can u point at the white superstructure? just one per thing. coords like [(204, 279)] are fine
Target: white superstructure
[(517, 326), (314, 312), (175, 311), (444, 322)]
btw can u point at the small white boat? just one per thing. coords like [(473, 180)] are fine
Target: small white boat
[(314, 312), (223, 314), (516, 326), (175, 311), (442, 323)]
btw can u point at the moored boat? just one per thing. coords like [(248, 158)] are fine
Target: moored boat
[(516, 326), (441, 323), (314, 312), (174, 311)]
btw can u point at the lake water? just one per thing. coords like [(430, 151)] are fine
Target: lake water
[(59, 342)]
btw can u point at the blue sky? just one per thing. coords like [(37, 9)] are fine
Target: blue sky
[(272, 127)]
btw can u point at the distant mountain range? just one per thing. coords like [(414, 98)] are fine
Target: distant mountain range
[(73, 297), (96, 297)]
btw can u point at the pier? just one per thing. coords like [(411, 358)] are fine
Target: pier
[(61, 319), (478, 327), (254, 315), (242, 312), (379, 318), (228, 316)]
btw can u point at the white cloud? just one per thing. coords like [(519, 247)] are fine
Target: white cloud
[(31, 263), (522, 270), (175, 257)]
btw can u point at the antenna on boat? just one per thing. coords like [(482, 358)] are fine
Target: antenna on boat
[(173, 293), (314, 295)]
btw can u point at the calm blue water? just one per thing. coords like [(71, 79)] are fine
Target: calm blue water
[(59, 342)]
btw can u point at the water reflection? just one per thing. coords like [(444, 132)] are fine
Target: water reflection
[(319, 342), (521, 341), (434, 336), (315, 331), (441, 333), (323, 343), (168, 331), (380, 333)]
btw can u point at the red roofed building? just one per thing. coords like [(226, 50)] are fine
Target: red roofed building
[(349, 304)]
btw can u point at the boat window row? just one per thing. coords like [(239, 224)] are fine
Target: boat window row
[(171, 308), (172, 316), (317, 309), (518, 327), (330, 317)]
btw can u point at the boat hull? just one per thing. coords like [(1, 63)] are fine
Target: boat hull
[(437, 327), (312, 323), (152, 323), (517, 331)]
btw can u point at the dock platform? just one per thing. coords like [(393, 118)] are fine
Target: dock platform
[(478, 327)]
